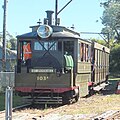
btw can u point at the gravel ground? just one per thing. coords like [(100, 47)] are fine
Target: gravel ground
[(84, 109)]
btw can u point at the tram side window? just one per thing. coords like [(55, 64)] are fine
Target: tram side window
[(79, 51), (60, 46), (69, 47), (84, 52)]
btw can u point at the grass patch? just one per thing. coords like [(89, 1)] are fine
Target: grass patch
[(112, 78), (17, 100), (2, 101), (99, 103), (94, 105)]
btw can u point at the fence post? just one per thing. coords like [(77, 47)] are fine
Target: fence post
[(8, 103)]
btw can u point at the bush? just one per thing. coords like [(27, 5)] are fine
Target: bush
[(115, 60)]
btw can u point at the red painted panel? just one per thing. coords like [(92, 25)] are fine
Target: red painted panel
[(46, 90)]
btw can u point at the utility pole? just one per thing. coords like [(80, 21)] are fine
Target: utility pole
[(56, 9), (4, 37)]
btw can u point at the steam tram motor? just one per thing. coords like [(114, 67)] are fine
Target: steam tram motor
[(62, 66)]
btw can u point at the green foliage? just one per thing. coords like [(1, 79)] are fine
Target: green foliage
[(111, 18), (2, 101), (114, 55), (110, 15), (99, 41), (8, 45), (13, 42), (103, 42), (115, 59), (111, 21)]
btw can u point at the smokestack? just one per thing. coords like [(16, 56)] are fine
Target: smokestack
[(49, 17)]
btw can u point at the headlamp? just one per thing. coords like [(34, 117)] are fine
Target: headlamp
[(44, 31)]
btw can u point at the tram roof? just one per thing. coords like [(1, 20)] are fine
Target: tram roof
[(58, 31)]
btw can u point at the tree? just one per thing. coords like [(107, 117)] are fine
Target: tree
[(111, 19), (11, 42), (115, 59)]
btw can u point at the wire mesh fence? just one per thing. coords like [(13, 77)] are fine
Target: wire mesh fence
[(6, 79)]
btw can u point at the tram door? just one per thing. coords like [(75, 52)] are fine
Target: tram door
[(24, 55), (68, 47)]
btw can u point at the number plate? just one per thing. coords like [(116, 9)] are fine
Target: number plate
[(41, 78)]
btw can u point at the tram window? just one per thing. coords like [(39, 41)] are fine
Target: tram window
[(82, 51), (37, 46), (45, 46), (89, 52), (52, 45), (86, 52), (59, 46), (69, 47), (79, 51), (25, 49)]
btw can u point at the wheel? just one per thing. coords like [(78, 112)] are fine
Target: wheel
[(66, 98), (91, 92), (77, 97)]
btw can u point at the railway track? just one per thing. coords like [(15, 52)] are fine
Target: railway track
[(20, 107), (53, 112), (23, 111), (109, 115), (2, 113)]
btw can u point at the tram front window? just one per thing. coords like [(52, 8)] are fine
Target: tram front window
[(45, 46), (47, 54)]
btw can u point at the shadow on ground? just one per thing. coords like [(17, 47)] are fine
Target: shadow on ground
[(111, 88)]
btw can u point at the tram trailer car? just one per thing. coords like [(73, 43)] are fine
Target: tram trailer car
[(62, 65)]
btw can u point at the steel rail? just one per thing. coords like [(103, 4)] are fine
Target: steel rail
[(109, 115)]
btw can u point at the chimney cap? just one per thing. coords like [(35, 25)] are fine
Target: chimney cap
[(50, 11)]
